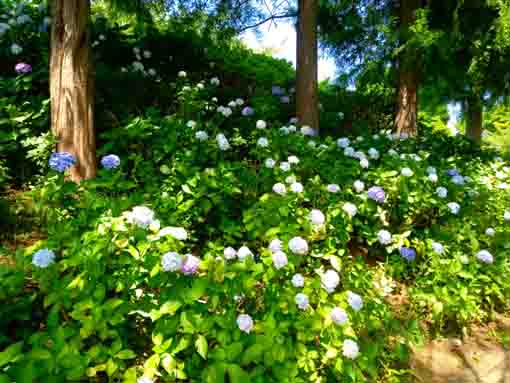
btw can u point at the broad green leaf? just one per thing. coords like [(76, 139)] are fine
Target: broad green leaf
[(201, 346)]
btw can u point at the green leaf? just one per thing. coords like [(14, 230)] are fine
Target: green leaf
[(111, 367), (40, 353), (253, 354), (169, 364), (11, 354), (237, 374), (201, 346), (126, 354), (4, 379)]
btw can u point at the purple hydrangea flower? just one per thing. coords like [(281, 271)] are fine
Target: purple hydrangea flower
[(190, 264), (111, 161), (247, 111), (453, 172), (61, 161), (408, 253), (377, 194), (277, 91), (22, 68)]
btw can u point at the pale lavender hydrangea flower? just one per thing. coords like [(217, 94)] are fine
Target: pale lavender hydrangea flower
[(355, 301), (111, 161), (484, 256), (298, 245), (338, 316), (377, 194), (23, 68), (280, 259), (350, 349), (330, 280), (302, 301), (245, 323), (43, 258), (190, 264), (298, 280), (171, 261)]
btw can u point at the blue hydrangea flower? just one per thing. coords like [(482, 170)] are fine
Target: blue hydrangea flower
[(43, 258), (377, 194), (408, 253), (453, 172), (111, 161), (61, 161)]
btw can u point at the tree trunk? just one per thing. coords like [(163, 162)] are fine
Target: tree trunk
[(408, 68), (72, 85), (307, 98), (474, 118)]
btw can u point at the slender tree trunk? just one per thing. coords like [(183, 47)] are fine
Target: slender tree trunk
[(474, 119), (307, 98), (72, 85), (408, 68)]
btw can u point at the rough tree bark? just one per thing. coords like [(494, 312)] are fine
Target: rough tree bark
[(307, 98), (72, 85), (408, 68), (474, 118)]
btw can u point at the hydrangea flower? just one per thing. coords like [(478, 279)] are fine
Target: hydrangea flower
[(330, 281), (316, 217), (292, 129), (144, 379), (243, 253), (364, 163), (350, 349), (201, 135), (284, 130), (506, 216), (406, 172), (111, 161), (4, 27), (339, 316), (458, 180), (333, 188), (293, 120), (453, 172), (354, 300), (484, 256), (350, 209), (377, 194), (298, 280), (190, 264), (277, 90), (263, 142), (280, 259), (408, 253), (431, 170), (215, 81), (296, 187), (23, 68), (226, 111), (171, 261), (441, 192), (222, 141), (343, 142), (279, 188), (373, 153), (307, 131), (433, 177), (16, 49), (232, 104), (229, 253), (285, 99), (284, 166), (245, 323), (152, 72), (181, 74), (269, 163), (454, 207), (298, 245), (302, 301), (61, 161), (141, 216), (43, 258), (275, 245), (438, 248), (191, 124), (261, 124), (247, 111), (293, 160), (312, 143), (239, 101), (176, 232), (349, 152), (384, 237), (490, 232), (358, 186)]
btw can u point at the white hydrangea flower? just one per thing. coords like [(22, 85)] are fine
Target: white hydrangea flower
[(349, 152), (269, 163), (359, 186), (147, 54), (191, 124), (280, 259), (350, 349), (454, 207), (354, 300), (239, 101), (296, 187), (312, 143), (298, 245), (442, 192), (293, 120), (284, 166), (490, 232), (140, 216), (201, 135), (302, 301), (279, 188), (375, 137), (373, 153), (284, 130), (506, 216), (438, 248), (338, 316), (433, 177), (177, 232), (275, 245), (333, 188), (138, 66), (263, 142), (298, 280), (484, 256), (359, 155), (243, 253), (222, 141), (16, 49), (215, 81), (359, 139), (182, 74), (245, 323), (292, 129), (307, 131), (232, 104), (229, 253), (171, 261), (43, 258), (431, 170), (261, 124), (406, 172), (316, 217), (350, 209), (393, 153), (330, 281), (384, 237), (293, 160), (290, 179), (364, 163), (144, 379)]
